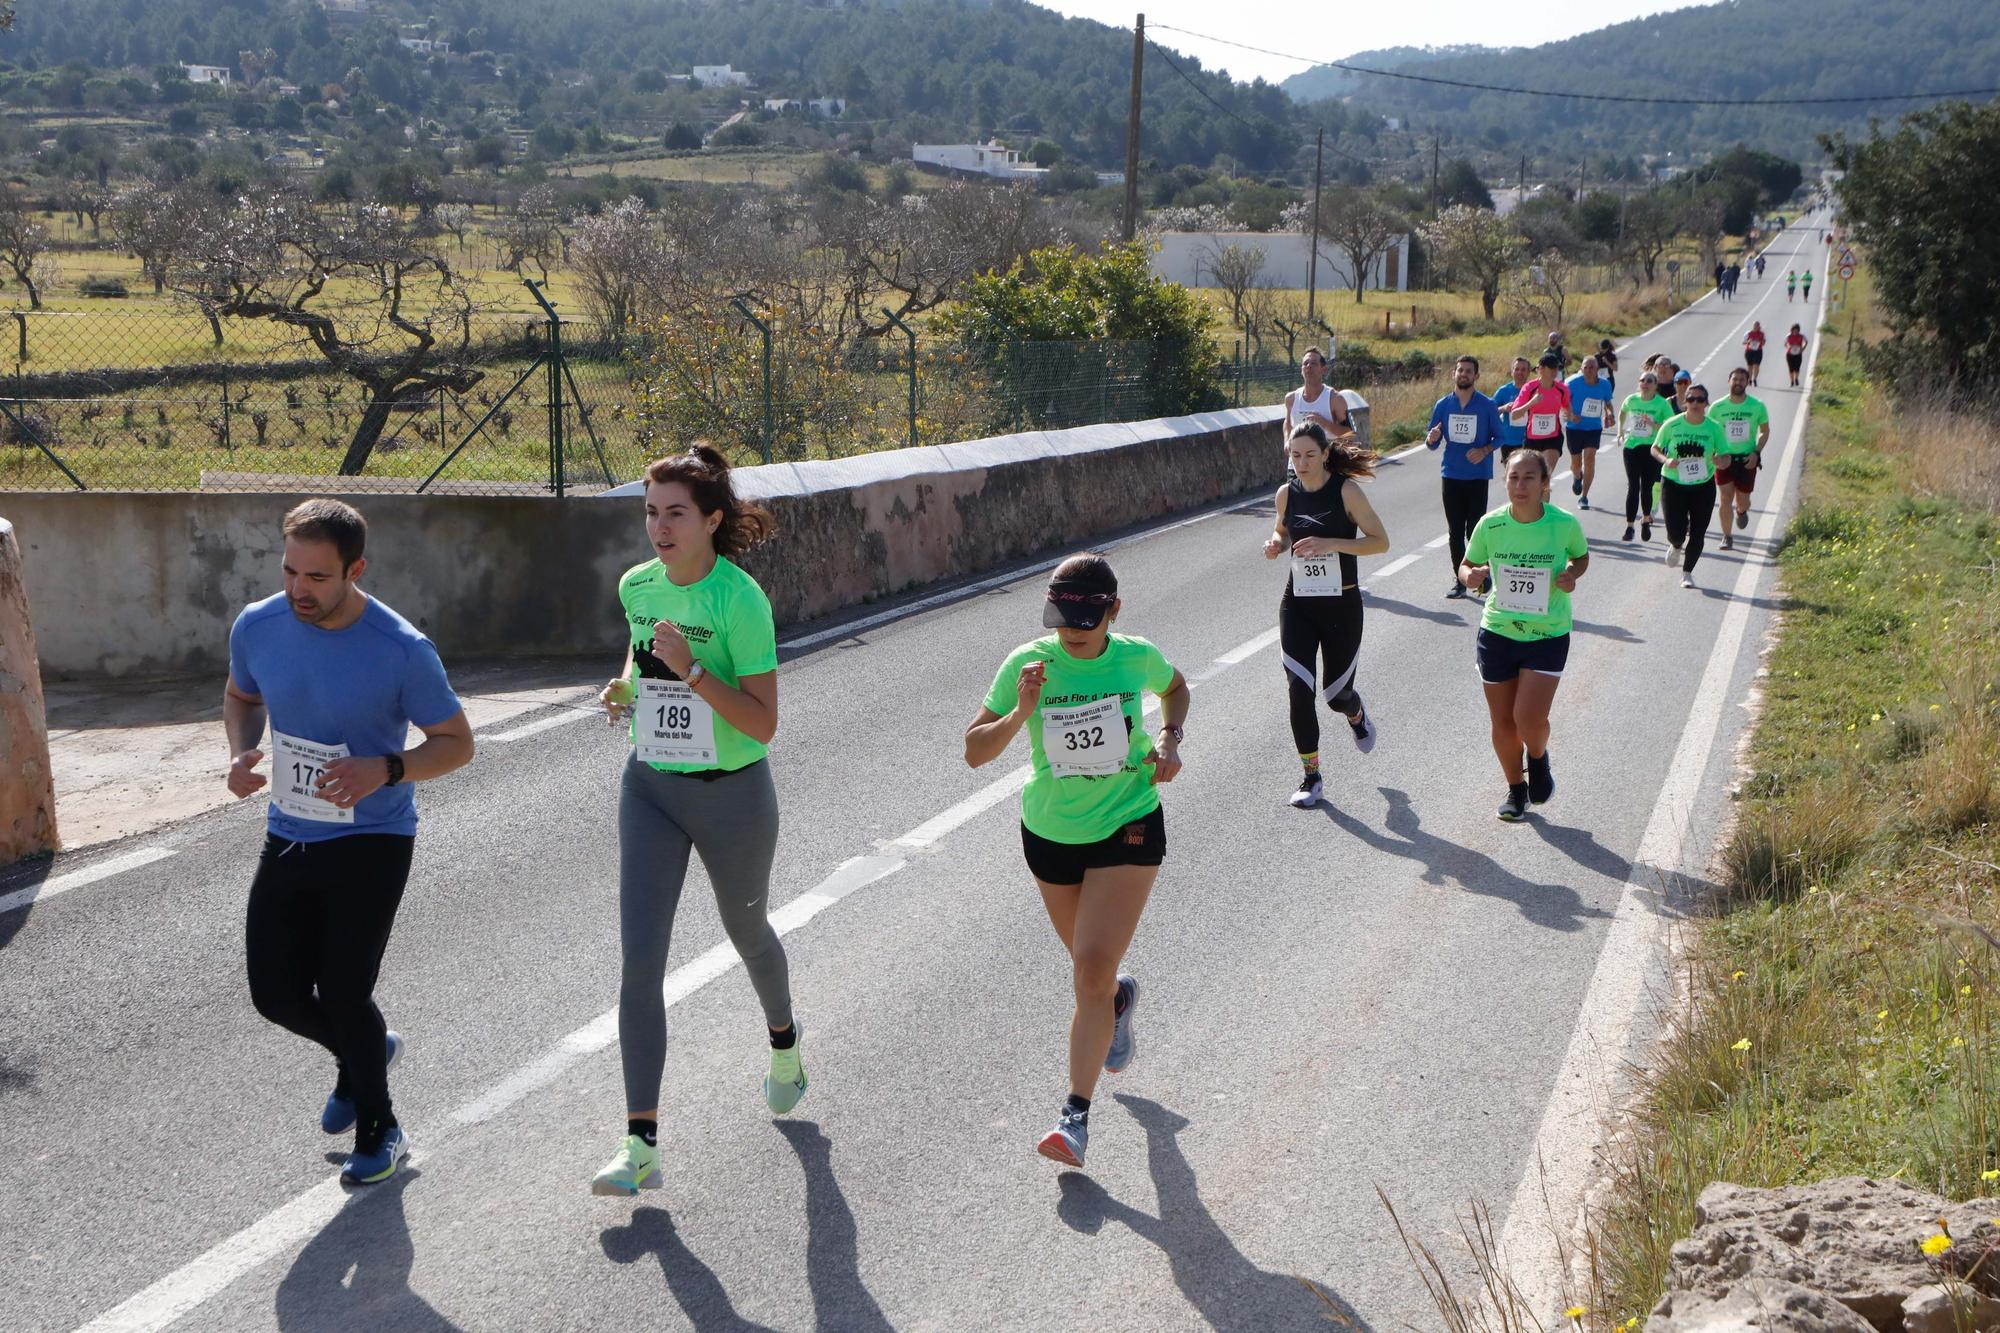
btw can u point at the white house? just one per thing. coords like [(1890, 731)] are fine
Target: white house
[(344, 6), (425, 46), (984, 159), (830, 107), (215, 74), (720, 76), (1188, 257), (781, 104)]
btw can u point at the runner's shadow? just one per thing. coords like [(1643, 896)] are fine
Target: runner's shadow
[(30, 875), (1556, 906), (1377, 602), (1228, 1291), (692, 1283), (1583, 848), (355, 1271), (1617, 633), (833, 1254)]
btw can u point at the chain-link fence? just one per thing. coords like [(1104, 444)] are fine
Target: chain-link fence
[(168, 400)]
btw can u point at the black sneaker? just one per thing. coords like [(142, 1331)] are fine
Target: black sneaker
[(1584, 503), (1628, 532), (1516, 804), (1646, 531), (1541, 782), (1457, 591), (1742, 520), (1576, 485)]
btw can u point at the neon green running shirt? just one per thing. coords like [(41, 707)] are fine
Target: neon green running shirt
[(727, 620), (1078, 807), (1739, 422), (1539, 551), (1643, 418), (1681, 438)]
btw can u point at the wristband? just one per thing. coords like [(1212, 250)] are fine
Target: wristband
[(395, 763)]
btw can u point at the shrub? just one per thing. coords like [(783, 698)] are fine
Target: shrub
[(98, 284)]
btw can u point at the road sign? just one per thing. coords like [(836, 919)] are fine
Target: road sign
[(1673, 266), (1846, 257), (1846, 271)]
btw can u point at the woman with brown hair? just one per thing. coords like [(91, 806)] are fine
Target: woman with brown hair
[(700, 692)]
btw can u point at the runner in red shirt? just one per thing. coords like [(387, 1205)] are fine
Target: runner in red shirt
[(1795, 353), (1753, 349), (1544, 404)]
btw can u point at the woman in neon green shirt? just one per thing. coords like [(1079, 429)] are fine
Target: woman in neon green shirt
[(1687, 447), (1642, 414), (1091, 824), (1531, 553), (700, 693)]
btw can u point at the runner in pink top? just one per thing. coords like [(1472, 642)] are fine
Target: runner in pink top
[(1544, 404), (1753, 349)]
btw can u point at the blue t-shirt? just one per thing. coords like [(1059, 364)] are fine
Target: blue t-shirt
[(1485, 434), (1581, 393), (361, 687), (1513, 434)]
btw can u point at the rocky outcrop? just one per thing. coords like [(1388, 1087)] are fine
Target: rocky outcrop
[(1759, 1258)]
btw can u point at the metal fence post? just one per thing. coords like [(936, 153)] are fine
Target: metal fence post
[(764, 329), (555, 387), (911, 334)]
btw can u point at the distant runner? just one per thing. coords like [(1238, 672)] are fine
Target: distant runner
[(1643, 414), (1746, 428), (1753, 349), (1313, 400), (1512, 433), (1590, 405), (1466, 426), (1687, 447), (1795, 353)]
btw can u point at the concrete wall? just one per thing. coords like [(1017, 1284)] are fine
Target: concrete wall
[(27, 791), (147, 584), (1188, 257)]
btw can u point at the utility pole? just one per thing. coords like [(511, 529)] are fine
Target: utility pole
[(1434, 177), (1132, 130), (1312, 238), (1524, 178), (1580, 165)]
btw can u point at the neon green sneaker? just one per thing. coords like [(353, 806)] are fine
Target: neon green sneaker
[(786, 1082), (635, 1167)]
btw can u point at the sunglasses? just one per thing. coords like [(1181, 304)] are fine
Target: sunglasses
[(1697, 398)]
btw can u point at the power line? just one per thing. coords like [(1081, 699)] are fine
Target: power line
[(1582, 97), (1240, 119)]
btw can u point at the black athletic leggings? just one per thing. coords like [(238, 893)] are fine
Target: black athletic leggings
[(1329, 629), (1642, 475), (1464, 506), (1688, 510), (319, 919)]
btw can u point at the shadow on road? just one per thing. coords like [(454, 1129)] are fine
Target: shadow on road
[(833, 1255), (692, 1282), (27, 876), (1377, 602), (368, 1239), (1556, 906), (1228, 1291)]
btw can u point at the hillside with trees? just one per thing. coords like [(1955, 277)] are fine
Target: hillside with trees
[(1745, 49)]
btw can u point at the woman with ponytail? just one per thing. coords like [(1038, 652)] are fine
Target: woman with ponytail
[(700, 694)]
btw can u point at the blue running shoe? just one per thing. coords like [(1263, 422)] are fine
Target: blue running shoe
[(373, 1167), (338, 1115), (1066, 1142), (1124, 1043)]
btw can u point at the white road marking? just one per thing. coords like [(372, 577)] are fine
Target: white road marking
[(561, 719), (1563, 1161), (76, 879), (1398, 565), (1437, 541)]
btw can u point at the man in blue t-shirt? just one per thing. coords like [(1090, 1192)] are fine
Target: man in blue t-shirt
[(1590, 402), (341, 679), (1513, 434), (1466, 426)]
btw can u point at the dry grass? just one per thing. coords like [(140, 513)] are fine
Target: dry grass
[(1950, 451)]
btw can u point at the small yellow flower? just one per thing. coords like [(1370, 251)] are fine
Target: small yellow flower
[(1742, 1045), (1957, 1042), (1874, 717), (1737, 975), (1989, 1175), (1575, 1312), (1965, 990), (1933, 1246), (1881, 1015), (1934, 708)]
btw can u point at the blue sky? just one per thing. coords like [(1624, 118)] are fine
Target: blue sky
[(1272, 24)]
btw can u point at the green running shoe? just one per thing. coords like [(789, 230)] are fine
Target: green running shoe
[(786, 1082), (635, 1167)]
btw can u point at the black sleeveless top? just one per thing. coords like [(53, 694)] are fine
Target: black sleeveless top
[(1320, 513)]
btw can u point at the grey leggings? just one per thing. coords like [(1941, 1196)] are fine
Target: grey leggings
[(733, 823)]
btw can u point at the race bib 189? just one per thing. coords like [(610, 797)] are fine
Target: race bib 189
[(296, 765), (1464, 428), (1522, 589), (1315, 576), (671, 725), (1088, 740)]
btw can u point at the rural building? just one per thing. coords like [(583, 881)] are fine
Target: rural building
[(345, 6), (425, 46), (982, 159), (720, 76), (830, 107), (1188, 257), (215, 74)]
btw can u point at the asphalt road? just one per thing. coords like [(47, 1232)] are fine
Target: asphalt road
[(1380, 992)]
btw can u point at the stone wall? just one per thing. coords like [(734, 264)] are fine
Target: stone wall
[(146, 584)]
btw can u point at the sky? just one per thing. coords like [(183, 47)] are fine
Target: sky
[(1273, 24)]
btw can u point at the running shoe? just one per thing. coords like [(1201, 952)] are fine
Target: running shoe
[(1628, 532), (1727, 544), (1456, 592), (1541, 781), (634, 1167), (1673, 556), (338, 1115), (1516, 804), (1646, 530), (1066, 1142), (1742, 519), (786, 1082), (373, 1163), (1687, 580), (1583, 503), (1124, 1042), (1310, 791), (1576, 485), (1364, 732)]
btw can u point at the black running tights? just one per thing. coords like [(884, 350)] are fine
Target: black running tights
[(1464, 506), (1327, 629), (319, 919), (1642, 475), (1688, 510)]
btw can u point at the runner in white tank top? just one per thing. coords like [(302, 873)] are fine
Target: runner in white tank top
[(1313, 400)]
